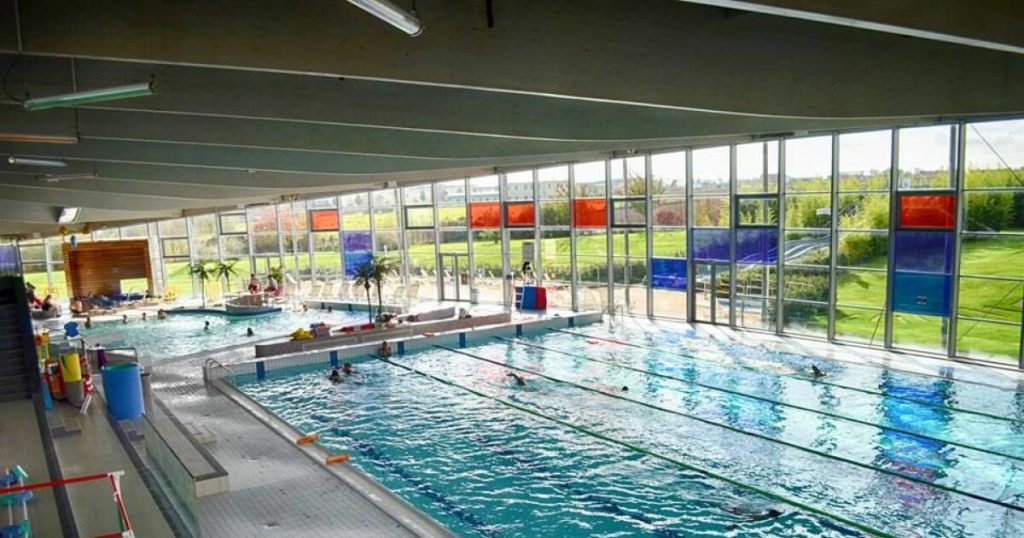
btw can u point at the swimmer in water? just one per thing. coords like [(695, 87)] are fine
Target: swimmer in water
[(816, 372), (124, 319), (335, 376), (143, 316), (206, 327), (88, 321), (625, 388), (250, 332), (751, 515), (347, 368), (519, 379)]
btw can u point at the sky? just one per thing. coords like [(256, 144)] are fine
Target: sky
[(921, 148)]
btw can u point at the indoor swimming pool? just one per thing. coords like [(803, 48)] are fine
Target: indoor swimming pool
[(664, 433), (184, 334)]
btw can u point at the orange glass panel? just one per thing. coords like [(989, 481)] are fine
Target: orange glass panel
[(928, 211), (485, 215), (519, 214), (323, 220), (591, 213)]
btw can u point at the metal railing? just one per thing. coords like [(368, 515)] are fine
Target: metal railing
[(211, 364)]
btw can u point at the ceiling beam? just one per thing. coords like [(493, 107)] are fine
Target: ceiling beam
[(987, 24), (666, 53)]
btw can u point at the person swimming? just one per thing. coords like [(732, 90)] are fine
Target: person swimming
[(384, 350), (124, 319), (347, 368), (519, 379), (161, 314), (335, 375), (143, 316), (625, 388), (751, 514), (88, 321), (206, 326), (250, 332), (816, 372)]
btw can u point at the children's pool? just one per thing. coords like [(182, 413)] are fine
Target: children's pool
[(184, 334), (726, 441)]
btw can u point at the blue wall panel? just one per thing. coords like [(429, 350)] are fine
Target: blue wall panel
[(922, 293)]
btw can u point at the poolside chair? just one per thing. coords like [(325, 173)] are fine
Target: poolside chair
[(397, 295), (412, 293)]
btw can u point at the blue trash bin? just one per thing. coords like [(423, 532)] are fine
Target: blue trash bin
[(122, 384)]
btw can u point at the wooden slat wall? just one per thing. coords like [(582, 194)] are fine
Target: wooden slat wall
[(98, 267)]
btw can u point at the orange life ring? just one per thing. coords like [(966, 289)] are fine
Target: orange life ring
[(337, 458)]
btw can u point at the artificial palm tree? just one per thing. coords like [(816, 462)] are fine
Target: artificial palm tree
[(226, 270), (205, 272), (364, 278), (381, 267)]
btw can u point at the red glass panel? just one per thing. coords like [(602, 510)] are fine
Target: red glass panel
[(485, 215), (591, 213), (323, 220), (519, 214), (928, 211)]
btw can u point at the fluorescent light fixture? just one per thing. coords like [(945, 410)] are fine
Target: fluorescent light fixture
[(391, 14), (38, 139), (91, 96), (49, 178), (68, 215), (36, 161)]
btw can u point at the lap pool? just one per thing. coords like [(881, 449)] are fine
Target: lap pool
[(184, 334), (733, 440)]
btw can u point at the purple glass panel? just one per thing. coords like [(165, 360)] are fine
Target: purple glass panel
[(924, 252), (710, 245), (668, 273), (9, 260), (757, 245), (357, 241), (353, 259)]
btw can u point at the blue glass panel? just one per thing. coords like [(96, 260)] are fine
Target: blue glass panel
[(925, 252), (710, 245), (668, 273), (757, 245), (357, 241), (921, 293), (354, 259)]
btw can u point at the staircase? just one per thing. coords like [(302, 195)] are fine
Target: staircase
[(17, 351)]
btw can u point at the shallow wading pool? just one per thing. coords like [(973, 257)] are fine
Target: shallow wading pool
[(184, 334)]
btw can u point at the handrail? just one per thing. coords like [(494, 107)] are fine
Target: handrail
[(210, 363)]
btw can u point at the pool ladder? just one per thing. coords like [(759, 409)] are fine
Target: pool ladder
[(210, 365), (617, 308)]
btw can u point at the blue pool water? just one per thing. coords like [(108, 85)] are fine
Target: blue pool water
[(183, 334), (705, 442)]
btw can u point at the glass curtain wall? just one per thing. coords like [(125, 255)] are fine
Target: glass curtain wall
[(668, 235), (905, 238)]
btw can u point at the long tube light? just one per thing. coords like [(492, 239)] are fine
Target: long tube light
[(35, 161), (394, 15), (38, 139), (91, 96)]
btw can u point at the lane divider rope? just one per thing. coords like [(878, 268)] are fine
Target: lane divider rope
[(764, 399), (690, 467), (801, 378), (741, 431)]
